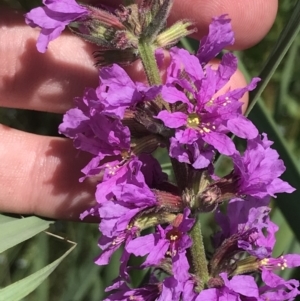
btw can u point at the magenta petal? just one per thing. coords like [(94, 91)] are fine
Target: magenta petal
[(53, 18), (220, 142), (141, 245), (208, 295), (242, 127), (172, 95), (244, 285), (187, 136), (219, 36), (226, 69), (181, 267), (178, 151), (292, 260), (105, 256), (203, 159), (172, 120), (190, 62), (65, 6), (157, 253), (279, 186), (46, 36)]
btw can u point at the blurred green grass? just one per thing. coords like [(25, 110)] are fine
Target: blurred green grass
[(78, 278)]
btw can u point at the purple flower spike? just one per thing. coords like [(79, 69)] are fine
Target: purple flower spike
[(53, 18)]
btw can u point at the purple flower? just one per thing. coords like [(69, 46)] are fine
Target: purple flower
[(275, 288), (247, 227), (154, 291), (119, 206), (203, 118), (136, 172), (247, 231), (236, 289), (128, 200), (198, 154), (53, 18), (93, 130), (109, 245), (172, 241), (219, 36), (250, 224), (95, 124), (118, 92), (150, 292), (132, 170), (258, 170)]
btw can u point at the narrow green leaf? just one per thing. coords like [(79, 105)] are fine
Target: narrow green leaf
[(18, 290), (286, 78), (283, 44), (42, 241), (16, 231), (5, 219)]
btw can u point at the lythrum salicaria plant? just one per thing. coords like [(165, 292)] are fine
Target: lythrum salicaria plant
[(122, 122)]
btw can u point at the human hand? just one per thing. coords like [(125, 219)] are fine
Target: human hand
[(39, 174)]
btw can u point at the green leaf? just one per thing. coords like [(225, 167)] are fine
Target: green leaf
[(18, 230), (283, 44), (20, 289), (5, 219), (285, 81)]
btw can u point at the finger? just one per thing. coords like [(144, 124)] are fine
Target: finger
[(39, 175), (50, 81), (47, 82), (251, 20)]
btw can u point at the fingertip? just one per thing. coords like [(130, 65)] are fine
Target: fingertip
[(251, 20)]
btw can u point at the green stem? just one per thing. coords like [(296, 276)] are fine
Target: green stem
[(147, 55), (198, 258), (149, 62)]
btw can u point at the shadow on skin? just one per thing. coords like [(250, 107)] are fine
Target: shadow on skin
[(76, 197), (51, 80)]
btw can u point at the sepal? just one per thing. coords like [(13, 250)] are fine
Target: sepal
[(173, 34)]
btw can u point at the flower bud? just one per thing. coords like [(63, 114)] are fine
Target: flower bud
[(119, 33)]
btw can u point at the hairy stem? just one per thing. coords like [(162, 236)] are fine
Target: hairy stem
[(197, 254), (147, 55), (149, 62)]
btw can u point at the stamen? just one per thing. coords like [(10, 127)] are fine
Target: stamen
[(193, 120)]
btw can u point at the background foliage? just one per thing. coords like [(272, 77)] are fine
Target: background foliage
[(77, 277)]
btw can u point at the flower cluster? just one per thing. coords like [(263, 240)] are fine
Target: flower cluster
[(121, 123)]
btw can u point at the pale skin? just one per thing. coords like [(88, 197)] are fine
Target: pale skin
[(39, 174)]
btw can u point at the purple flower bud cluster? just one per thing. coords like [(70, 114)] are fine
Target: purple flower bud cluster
[(121, 123)]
